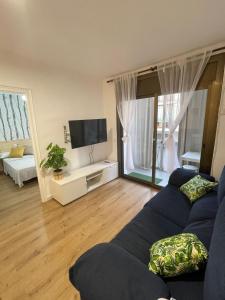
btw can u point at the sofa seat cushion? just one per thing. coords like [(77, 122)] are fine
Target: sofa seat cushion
[(108, 272), (145, 229), (186, 290), (204, 208), (171, 204), (194, 276)]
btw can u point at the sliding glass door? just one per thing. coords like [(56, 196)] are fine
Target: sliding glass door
[(141, 158), (146, 157), (142, 132), (188, 135), (148, 135)]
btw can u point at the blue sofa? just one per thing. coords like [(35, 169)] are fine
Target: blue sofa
[(118, 270)]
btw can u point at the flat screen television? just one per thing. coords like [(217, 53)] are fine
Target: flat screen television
[(87, 132)]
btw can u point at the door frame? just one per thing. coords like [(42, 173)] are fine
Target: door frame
[(34, 135), (154, 150)]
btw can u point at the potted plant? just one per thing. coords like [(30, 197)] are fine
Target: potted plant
[(55, 160)]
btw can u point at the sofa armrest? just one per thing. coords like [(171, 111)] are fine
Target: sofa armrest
[(109, 272), (181, 176)]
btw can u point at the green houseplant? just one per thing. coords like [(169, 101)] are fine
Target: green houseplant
[(55, 160)]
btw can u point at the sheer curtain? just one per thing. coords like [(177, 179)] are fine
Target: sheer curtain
[(178, 81), (13, 117), (192, 126), (142, 133), (125, 91)]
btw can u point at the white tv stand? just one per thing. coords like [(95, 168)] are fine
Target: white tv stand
[(81, 181)]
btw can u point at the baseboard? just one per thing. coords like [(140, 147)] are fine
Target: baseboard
[(49, 197)]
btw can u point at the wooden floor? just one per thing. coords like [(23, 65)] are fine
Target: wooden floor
[(39, 242)]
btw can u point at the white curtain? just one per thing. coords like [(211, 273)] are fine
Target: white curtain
[(142, 133), (125, 91), (195, 119), (192, 126), (13, 117), (178, 81)]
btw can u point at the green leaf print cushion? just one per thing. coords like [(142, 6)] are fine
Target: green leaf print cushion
[(178, 254), (197, 187)]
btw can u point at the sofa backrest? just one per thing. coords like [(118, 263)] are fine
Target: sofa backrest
[(221, 187), (181, 176), (214, 285)]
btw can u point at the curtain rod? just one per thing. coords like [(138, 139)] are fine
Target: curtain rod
[(154, 68)]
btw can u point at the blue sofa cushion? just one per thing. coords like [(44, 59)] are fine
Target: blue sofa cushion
[(145, 229), (186, 290), (181, 176), (214, 285), (221, 187), (204, 208), (172, 204), (107, 272), (203, 229), (202, 217)]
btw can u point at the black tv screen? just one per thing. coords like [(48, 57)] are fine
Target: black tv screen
[(87, 132)]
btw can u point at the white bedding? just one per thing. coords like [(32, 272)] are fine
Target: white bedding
[(20, 169)]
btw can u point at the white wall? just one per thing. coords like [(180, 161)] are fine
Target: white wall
[(6, 146), (109, 103), (219, 150), (58, 96)]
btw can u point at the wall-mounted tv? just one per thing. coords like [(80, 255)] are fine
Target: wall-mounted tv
[(87, 132)]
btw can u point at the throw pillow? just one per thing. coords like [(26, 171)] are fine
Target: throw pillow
[(197, 187), (178, 254), (28, 150), (16, 152)]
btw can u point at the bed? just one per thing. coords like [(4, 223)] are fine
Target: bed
[(20, 169)]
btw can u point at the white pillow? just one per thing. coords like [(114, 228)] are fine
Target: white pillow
[(4, 154), (28, 150)]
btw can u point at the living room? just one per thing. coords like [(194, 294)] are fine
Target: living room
[(122, 100)]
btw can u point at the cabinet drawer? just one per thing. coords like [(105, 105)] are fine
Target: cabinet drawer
[(70, 191), (110, 173)]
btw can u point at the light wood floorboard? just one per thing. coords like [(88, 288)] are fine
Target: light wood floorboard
[(39, 242)]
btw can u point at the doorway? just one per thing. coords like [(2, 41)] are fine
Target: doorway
[(147, 136), (18, 137)]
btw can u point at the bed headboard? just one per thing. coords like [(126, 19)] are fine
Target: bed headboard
[(6, 146)]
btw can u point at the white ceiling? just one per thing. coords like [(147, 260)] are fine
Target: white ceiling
[(102, 37)]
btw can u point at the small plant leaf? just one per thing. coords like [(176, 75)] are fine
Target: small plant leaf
[(42, 162), (55, 158), (49, 146)]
